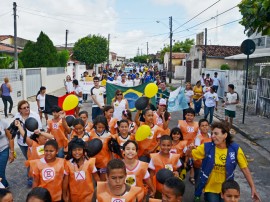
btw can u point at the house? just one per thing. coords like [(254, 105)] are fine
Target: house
[(8, 49), (7, 44), (178, 59), (215, 57), (115, 60)]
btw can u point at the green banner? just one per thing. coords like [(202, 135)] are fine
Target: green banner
[(130, 93)]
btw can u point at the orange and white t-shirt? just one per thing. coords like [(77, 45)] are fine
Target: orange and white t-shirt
[(36, 151), (179, 148), (113, 125), (85, 137), (50, 176), (121, 140), (189, 130), (58, 131), (105, 195), (104, 156), (81, 187), (151, 142), (158, 162)]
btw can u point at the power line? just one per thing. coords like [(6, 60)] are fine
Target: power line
[(207, 20), (224, 24), (5, 13), (197, 15)]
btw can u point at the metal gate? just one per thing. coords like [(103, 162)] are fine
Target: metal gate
[(33, 81)]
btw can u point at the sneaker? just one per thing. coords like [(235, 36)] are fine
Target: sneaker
[(196, 199), (11, 115)]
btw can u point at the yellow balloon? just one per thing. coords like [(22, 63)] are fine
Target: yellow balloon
[(142, 133), (70, 102), (151, 90)]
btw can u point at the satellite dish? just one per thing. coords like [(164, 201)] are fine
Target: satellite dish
[(248, 47)]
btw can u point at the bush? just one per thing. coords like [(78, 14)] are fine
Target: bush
[(225, 67)]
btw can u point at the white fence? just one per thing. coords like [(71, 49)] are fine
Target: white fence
[(52, 79)]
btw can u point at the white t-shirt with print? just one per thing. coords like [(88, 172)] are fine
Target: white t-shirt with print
[(99, 93), (231, 97), (210, 99), (188, 95)]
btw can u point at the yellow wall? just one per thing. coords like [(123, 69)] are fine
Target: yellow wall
[(214, 63)]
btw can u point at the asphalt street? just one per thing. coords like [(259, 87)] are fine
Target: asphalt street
[(260, 168)]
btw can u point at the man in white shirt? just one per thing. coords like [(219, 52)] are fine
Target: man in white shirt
[(98, 94), (123, 81), (202, 80), (216, 81), (232, 99)]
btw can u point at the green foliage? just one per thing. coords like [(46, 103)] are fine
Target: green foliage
[(142, 58), (63, 57), (7, 62), (225, 67), (40, 54), (182, 47), (256, 16), (91, 50)]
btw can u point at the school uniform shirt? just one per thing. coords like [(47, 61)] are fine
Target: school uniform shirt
[(137, 82), (119, 107), (179, 148), (77, 90), (218, 174), (216, 81), (36, 151), (41, 99), (100, 94), (50, 176), (58, 131), (202, 81), (113, 125), (188, 95), (158, 162), (29, 133), (159, 121), (122, 140), (136, 175), (189, 131), (231, 97), (85, 137), (81, 187), (104, 156), (210, 99), (150, 142), (135, 194)]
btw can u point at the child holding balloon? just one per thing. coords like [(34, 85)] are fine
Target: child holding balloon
[(101, 131), (55, 127), (148, 144), (137, 171), (79, 171)]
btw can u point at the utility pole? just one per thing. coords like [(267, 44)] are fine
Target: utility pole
[(108, 62), (66, 39), (147, 47), (138, 52), (170, 64), (205, 47), (141, 51), (15, 35)]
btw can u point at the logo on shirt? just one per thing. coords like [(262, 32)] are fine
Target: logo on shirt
[(48, 173), (190, 129), (223, 158), (232, 155), (79, 175), (118, 200), (131, 180), (55, 125)]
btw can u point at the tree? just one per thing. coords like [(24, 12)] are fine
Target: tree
[(182, 47), (63, 57), (40, 54), (91, 50), (256, 16), (7, 62)]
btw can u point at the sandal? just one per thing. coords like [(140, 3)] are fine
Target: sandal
[(192, 180)]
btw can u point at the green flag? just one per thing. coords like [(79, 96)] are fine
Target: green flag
[(130, 93)]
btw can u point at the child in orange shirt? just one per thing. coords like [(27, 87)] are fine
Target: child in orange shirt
[(126, 115), (150, 144), (178, 144), (48, 172), (124, 133), (164, 159), (88, 125), (77, 130), (79, 170), (137, 171), (56, 128), (101, 131), (108, 113), (203, 136), (115, 189), (35, 142)]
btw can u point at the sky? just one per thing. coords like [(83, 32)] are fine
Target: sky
[(130, 23)]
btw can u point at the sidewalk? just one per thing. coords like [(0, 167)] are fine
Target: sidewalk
[(256, 128)]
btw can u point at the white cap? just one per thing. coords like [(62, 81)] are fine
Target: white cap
[(162, 101)]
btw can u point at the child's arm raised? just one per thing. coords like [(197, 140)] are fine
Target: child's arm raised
[(29, 142), (64, 122), (137, 118)]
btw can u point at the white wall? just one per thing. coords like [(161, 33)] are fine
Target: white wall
[(195, 75), (180, 72)]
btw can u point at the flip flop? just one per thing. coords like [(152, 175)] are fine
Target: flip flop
[(192, 180)]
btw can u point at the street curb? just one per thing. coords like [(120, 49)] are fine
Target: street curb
[(243, 133)]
